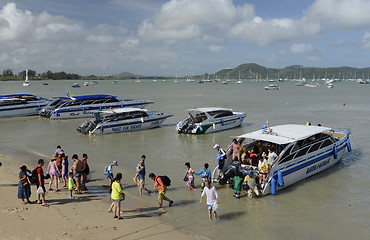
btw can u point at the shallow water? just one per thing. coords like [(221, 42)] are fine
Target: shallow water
[(330, 205)]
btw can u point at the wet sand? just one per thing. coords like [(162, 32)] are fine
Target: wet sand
[(85, 217)]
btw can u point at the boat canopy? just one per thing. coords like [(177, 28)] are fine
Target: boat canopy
[(123, 110), (96, 96), (284, 134), (208, 109)]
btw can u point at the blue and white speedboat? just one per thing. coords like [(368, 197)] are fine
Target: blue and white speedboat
[(19, 105), (86, 105), (207, 120), (122, 120), (302, 152)]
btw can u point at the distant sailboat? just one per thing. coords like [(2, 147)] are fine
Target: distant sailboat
[(26, 81)]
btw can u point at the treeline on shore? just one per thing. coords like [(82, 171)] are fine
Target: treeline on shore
[(243, 71)]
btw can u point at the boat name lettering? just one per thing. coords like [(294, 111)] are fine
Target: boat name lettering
[(116, 129), (229, 122), (135, 126), (317, 166)]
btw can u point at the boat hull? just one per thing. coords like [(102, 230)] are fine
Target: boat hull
[(306, 166), (215, 125), (28, 109), (130, 125)]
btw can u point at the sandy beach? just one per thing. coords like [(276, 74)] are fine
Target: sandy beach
[(85, 217)]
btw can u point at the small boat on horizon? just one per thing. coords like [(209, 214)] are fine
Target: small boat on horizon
[(207, 120), (122, 120), (76, 85), (26, 81), (272, 87)]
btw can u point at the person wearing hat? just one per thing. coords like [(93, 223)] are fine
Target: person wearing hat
[(250, 182), (110, 172), (221, 157)]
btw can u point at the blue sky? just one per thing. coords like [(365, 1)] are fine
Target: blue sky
[(181, 37)]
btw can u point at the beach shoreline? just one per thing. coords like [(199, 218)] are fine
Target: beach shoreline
[(85, 217)]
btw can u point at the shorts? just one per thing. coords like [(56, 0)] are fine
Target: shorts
[(110, 176), (77, 174), (141, 183), (210, 208), (161, 194), (221, 163)]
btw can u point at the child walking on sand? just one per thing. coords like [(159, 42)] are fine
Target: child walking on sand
[(71, 184), (212, 199), (117, 196)]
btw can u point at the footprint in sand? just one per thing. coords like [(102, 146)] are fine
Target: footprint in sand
[(14, 210)]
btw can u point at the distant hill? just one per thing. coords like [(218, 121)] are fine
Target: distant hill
[(126, 74), (254, 71)]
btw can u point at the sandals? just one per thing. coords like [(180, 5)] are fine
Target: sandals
[(170, 204), (45, 205)]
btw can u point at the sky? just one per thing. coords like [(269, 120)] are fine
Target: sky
[(181, 37)]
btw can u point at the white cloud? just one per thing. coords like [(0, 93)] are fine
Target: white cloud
[(301, 48), (216, 48), (366, 40), (348, 14)]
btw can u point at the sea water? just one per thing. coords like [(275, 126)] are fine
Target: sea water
[(331, 205)]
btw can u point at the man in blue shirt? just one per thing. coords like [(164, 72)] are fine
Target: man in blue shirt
[(205, 173)]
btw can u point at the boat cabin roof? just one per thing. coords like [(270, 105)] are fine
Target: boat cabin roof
[(207, 109), (95, 96), (123, 110), (17, 95), (284, 134)]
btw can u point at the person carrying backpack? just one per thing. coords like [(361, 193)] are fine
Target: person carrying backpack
[(161, 183), (109, 172)]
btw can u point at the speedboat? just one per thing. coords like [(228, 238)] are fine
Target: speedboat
[(272, 87), (312, 85), (122, 120), (18, 105), (76, 85), (207, 120), (302, 152), (86, 106)]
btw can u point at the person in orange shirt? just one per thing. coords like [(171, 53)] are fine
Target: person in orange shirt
[(158, 184)]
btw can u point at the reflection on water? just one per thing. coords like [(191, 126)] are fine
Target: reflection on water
[(330, 205)]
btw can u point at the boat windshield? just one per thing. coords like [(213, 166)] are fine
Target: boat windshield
[(125, 116)]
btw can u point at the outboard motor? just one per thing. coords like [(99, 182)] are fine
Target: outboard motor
[(86, 127), (232, 170)]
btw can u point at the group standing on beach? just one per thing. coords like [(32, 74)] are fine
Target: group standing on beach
[(57, 171)]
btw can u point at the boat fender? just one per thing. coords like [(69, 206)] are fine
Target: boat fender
[(177, 126), (273, 185), (335, 152), (101, 129), (142, 120), (241, 119), (56, 113), (201, 129), (100, 108), (280, 178), (349, 146), (214, 125), (83, 110), (39, 108), (222, 122), (121, 104)]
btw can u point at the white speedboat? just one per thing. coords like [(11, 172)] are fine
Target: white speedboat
[(302, 152), (272, 87), (207, 120), (312, 85), (18, 105), (122, 120), (86, 106)]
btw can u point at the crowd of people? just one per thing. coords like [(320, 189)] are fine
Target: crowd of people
[(58, 171)]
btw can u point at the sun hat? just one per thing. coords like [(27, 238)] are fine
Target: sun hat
[(216, 145), (115, 163), (54, 157)]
